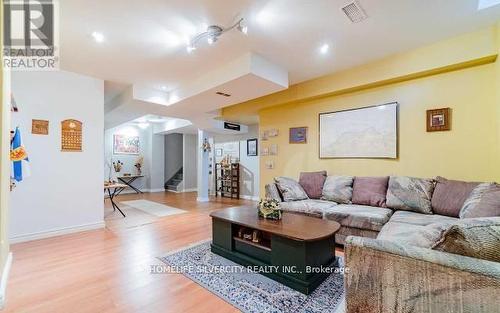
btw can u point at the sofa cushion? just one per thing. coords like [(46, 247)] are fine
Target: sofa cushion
[(290, 189), (312, 183), (309, 207), (359, 216), (338, 189), (370, 191), (449, 196), (483, 201), (489, 206), (272, 192), (477, 238), (413, 235), (420, 219), (410, 194)]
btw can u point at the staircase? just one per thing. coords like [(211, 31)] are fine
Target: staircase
[(174, 183)]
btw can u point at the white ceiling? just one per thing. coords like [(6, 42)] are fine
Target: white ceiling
[(145, 40)]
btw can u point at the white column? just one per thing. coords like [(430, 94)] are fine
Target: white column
[(202, 168)]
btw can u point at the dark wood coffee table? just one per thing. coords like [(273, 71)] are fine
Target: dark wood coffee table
[(298, 251)]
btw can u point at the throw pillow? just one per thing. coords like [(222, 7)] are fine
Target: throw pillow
[(483, 201), (312, 183), (410, 194), (290, 189), (338, 189), (477, 238), (449, 196), (370, 191)]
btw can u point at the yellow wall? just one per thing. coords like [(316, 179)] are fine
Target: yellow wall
[(4, 156), (461, 73), (498, 98), (467, 152)]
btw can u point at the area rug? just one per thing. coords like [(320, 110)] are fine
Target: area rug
[(153, 208), (248, 291)]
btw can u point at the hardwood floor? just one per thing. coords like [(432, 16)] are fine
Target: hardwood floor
[(108, 270)]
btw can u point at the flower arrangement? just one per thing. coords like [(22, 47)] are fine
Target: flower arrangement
[(206, 146), (270, 209), (138, 164), (118, 166)]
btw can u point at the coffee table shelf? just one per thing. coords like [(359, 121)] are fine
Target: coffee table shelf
[(257, 245), (292, 245)]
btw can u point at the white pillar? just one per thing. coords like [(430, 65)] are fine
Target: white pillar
[(202, 168)]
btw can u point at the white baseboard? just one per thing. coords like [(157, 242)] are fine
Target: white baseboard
[(4, 279), (190, 190), (56, 232), (155, 190), (202, 199), (253, 198)]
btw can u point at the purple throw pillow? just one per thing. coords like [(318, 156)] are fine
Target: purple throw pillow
[(370, 191), (449, 196), (312, 183)]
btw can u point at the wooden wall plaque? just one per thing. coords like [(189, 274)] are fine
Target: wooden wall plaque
[(39, 127), (71, 135)]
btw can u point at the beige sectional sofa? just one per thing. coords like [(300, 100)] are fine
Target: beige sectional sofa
[(395, 256)]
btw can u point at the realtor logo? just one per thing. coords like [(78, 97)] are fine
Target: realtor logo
[(30, 35)]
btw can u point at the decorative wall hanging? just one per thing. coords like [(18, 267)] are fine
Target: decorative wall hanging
[(252, 147), (369, 132), (439, 120), (71, 136), (269, 165), (39, 127), (298, 135), (123, 144), (273, 132), (264, 151), (219, 152), (13, 104), (273, 149), (231, 149)]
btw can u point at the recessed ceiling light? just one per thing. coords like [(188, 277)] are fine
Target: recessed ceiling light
[(164, 88), (324, 48), (264, 17), (98, 37), (484, 4), (143, 125)]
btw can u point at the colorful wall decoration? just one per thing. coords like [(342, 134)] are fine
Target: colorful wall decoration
[(123, 144)]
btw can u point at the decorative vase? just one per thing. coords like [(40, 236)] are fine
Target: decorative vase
[(270, 209)]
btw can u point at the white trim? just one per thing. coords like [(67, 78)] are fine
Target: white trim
[(57, 232), (202, 199), (253, 198), (156, 190), (190, 190), (4, 279)]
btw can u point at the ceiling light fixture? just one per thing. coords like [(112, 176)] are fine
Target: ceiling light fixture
[(213, 32), (324, 48), (484, 4), (143, 125), (98, 37)]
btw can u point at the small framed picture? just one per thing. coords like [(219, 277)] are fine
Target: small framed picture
[(438, 120), (252, 145), (218, 152), (298, 135)]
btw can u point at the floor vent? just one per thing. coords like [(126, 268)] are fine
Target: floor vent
[(354, 12)]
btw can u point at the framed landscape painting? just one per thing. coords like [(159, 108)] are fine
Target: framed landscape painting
[(123, 144), (370, 132)]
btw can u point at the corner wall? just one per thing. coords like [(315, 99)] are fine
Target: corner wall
[(249, 165), (64, 192)]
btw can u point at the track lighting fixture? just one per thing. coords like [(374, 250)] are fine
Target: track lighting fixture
[(213, 32)]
